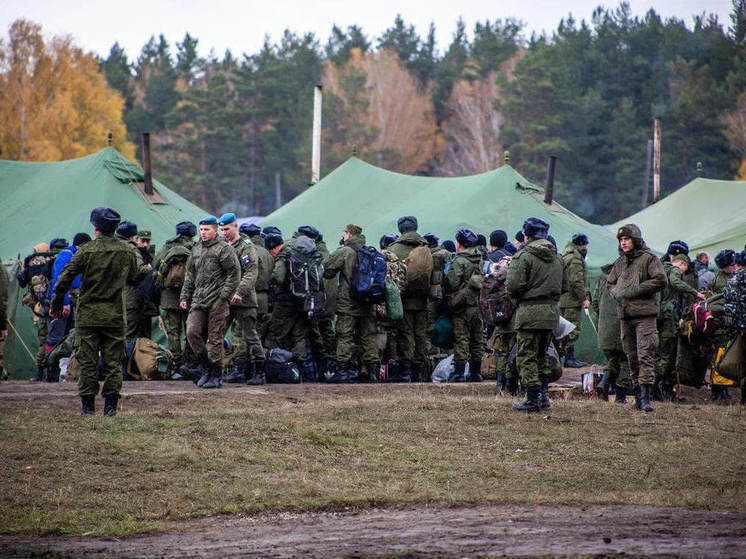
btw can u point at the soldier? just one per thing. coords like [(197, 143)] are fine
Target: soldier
[(413, 342), (462, 284), (535, 282), (635, 280), (138, 325), (498, 240), (440, 257), (577, 295), (726, 263), (107, 265), (143, 242), (253, 232), (677, 297), (175, 251), (610, 341), (265, 262), (4, 286), (356, 320), (243, 309), (212, 276)]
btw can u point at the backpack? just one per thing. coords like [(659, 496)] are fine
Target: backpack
[(396, 280), (735, 301), (495, 305), (148, 360), (419, 269), (369, 276), (442, 335), (36, 275), (280, 367), (172, 270), (306, 275)]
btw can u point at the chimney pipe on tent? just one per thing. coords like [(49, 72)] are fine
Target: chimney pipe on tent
[(506, 157), (316, 148), (109, 138), (656, 159), (549, 190), (148, 179)]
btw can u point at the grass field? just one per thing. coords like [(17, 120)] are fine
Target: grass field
[(297, 448)]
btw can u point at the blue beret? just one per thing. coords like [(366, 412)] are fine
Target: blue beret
[(227, 219), (580, 239), (250, 229), (127, 229), (431, 238), (186, 229), (209, 220), (105, 219), (536, 228), (407, 223)]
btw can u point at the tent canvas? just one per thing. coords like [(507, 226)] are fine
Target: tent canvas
[(374, 198), (41, 201), (708, 214)]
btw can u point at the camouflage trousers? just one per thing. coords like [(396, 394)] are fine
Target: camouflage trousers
[(412, 340), (640, 339), (574, 315), (531, 357), (468, 334), (665, 364), (262, 326), (322, 337), (247, 344), (360, 329), (288, 329), (618, 367), (215, 320), (505, 342), (42, 329), (174, 321), (110, 343)]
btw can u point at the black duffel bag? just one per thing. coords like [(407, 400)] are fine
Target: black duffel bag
[(280, 368)]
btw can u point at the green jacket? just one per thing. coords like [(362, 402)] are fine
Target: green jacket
[(247, 260), (402, 247), (264, 265), (576, 276), (719, 283), (535, 282), (440, 257), (465, 271), (677, 296), (170, 297), (341, 263), (132, 297), (107, 265), (257, 241), (635, 281), (212, 273), (331, 286), (607, 314), (4, 287)]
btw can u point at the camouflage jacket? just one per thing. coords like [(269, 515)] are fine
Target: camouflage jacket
[(607, 314), (721, 280), (170, 296), (212, 273), (264, 265), (576, 276), (440, 257), (402, 247), (247, 260), (635, 281), (677, 296), (465, 271), (343, 262)]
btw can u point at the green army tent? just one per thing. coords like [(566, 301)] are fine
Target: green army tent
[(708, 214), (40, 201), (374, 198)]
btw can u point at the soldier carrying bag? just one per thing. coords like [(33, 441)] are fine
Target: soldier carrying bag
[(368, 282), (306, 276), (419, 269), (172, 271)]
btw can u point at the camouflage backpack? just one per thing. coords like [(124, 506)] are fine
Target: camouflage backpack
[(36, 276), (396, 281), (495, 305), (419, 269), (735, 300)]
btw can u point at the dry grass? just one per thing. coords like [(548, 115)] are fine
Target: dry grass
[(316, 447)]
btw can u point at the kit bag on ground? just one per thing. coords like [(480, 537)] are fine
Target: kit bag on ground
[(419, 269), (731, 360), (368, 283), (172, 270), (280, 367), (306, 275), (148, 360)]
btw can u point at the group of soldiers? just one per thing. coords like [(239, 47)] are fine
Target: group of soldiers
[(295, 295)]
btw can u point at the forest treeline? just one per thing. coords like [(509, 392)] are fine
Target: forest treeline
[(234, 130)]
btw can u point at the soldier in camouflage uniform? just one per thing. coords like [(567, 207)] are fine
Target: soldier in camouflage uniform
[(107, 265), (726, 263), (440, 257), (243, 302), (138, 325), (464, 281), (356, 321), (265, 262), (253, 232), (212, 276), (4, 287), (174, 317), (413, 340), (577, 295), (535, 282)]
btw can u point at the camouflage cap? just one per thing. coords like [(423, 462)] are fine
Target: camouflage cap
[(144, 234), (681, 258), (629, 230), (353, 229)]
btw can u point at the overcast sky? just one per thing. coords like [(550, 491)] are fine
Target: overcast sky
[(241, 26)]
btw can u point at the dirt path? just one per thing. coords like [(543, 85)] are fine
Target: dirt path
[(487, 530)]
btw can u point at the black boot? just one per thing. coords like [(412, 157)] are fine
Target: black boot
[(41, 374), (214, 374), (238, 374), (603, 387), (87, 405), (475, 372), (199, 373), (403, 373), (110, 405), (621, 395), (645, 390), (257, 374), (511, 386), (570, 360), (499, 384), (531, 404), (459, 367), (417, 372), (638, 397), (544, 401), (374, 373)]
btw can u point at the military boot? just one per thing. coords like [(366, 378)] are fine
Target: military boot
[(238, 374), (475, 372), (499, 384), (511, 386), (531, 404), (110, 405), (257, 374), (417, 369), (645, 391), (87, 405), (603, 387), (459, 367), (213, 378), (570, 360), (621, 395), (544, 401), (374, 373), (403, 372), (41, 374), (638, 397)]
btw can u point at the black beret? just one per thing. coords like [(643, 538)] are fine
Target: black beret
[(80, 239), (186, 229), (105, 219), (310, 232), (536, 228), (250, 229), (407, 223), (387, 240), (498, 238), (520, 237), (466, 237), (57, 243), (271, 241), (272, 230), (449, 246), (677, 247), (726, 257), (127, 229), (580, 239), (431, 238)]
